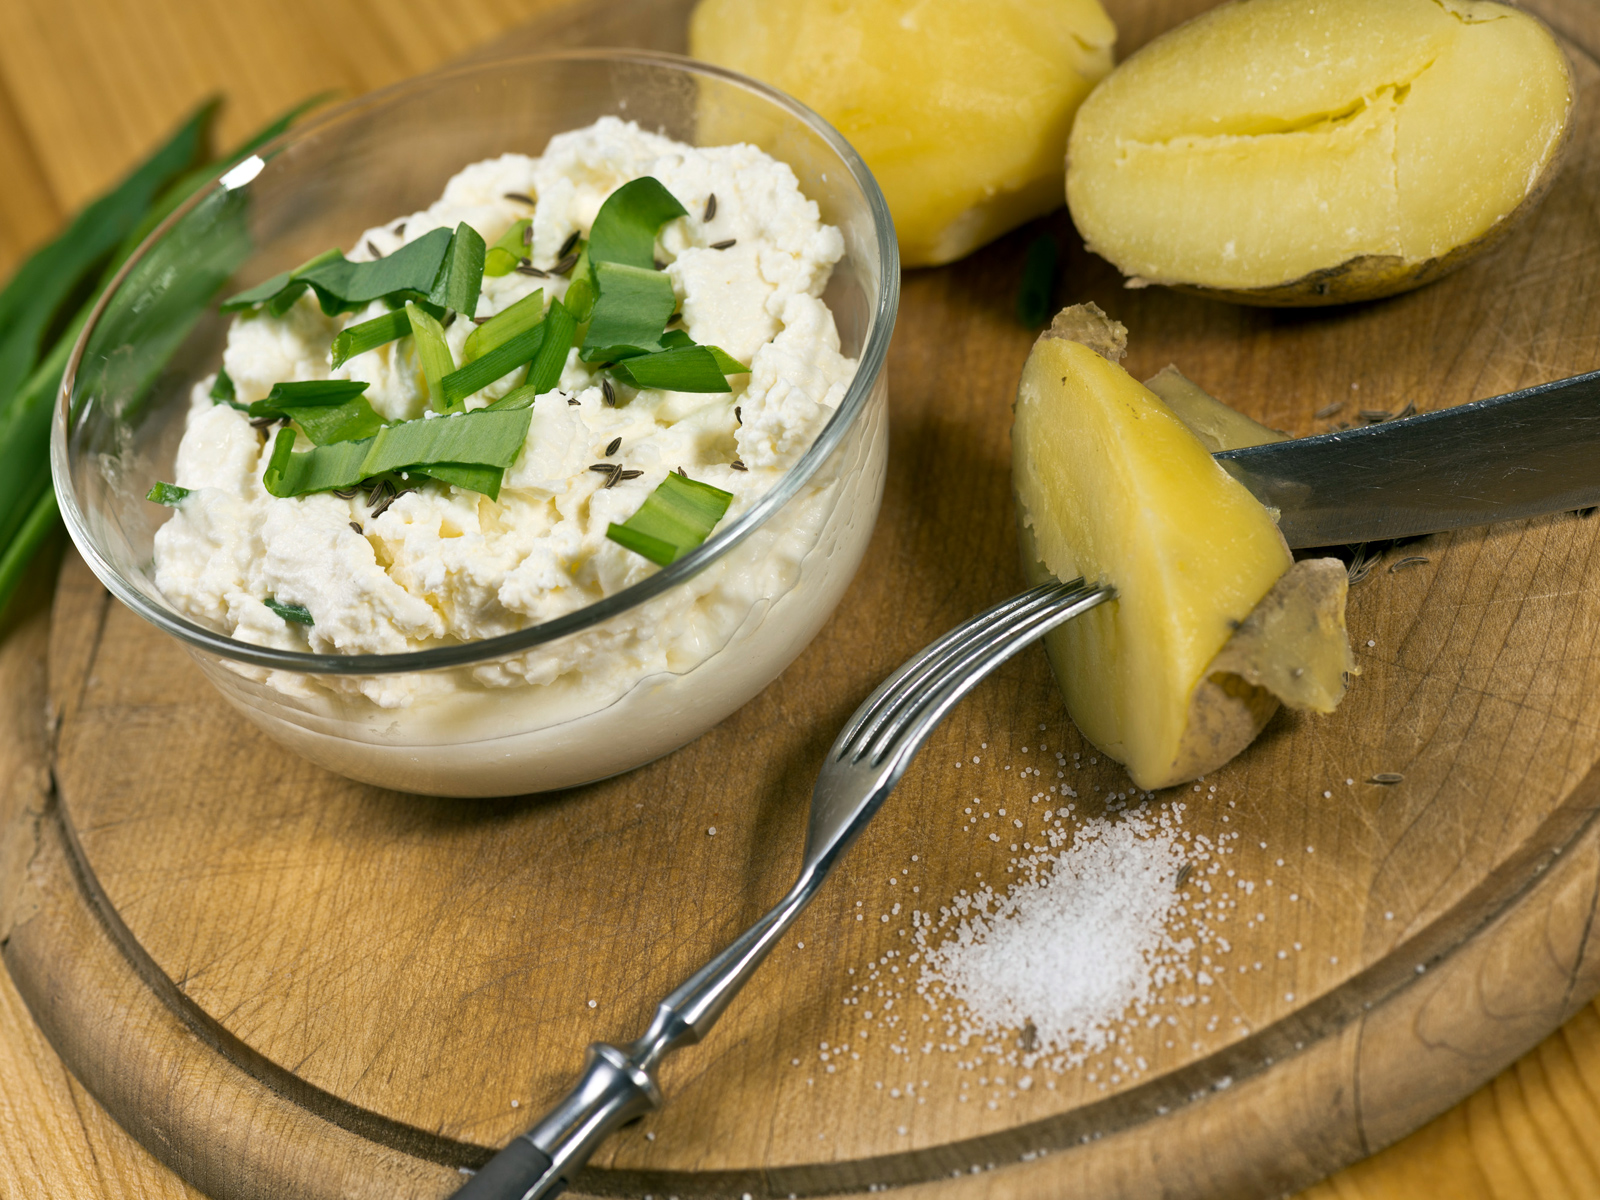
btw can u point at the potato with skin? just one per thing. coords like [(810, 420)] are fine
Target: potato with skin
[(1214, 623), (1301, 152), (960, 107)]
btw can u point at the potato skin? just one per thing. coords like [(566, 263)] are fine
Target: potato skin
[(960, 107), (1352, 149)]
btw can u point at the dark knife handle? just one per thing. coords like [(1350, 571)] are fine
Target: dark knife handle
[(516, 1173)]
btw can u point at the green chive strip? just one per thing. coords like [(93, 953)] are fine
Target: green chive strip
[(369, 335), (630, 314), (625, 228), (305, 394), (169, 494), (460, 277), (682, 369), (352, 421), (296, 613), (433, 352), (342, 285), (32, 301), (675, 518), (483, 480), (41, 521), (511, 249), (495, 365), (503, 326), (489, 440)]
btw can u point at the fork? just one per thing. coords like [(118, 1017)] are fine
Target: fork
[(866, 761)]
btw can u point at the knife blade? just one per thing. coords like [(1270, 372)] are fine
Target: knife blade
[(1502, 459)]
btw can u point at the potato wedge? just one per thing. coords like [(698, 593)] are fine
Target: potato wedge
[(1214, 623), (960, 109), (1301, 152)]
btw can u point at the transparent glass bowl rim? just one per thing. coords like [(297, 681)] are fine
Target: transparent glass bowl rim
[(870, 366)]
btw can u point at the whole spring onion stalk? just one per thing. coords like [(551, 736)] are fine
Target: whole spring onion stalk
[(45, 305)]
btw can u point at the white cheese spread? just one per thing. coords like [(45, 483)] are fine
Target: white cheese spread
[(441, 565)]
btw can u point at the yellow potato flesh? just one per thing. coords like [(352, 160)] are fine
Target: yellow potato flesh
[(1111, 485), (960, 107), (1269, 140)]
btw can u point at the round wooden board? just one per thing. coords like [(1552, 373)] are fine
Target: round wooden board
[(286, 984)]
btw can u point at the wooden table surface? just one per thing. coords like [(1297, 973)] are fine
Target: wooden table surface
[(86, 86)]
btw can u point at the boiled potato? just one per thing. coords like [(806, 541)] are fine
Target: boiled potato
[(1298, 152), (960, 107), (1214, 623)]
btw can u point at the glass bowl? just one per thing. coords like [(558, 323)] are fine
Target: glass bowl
[(593, 693)]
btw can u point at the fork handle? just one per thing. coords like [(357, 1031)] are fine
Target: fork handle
[(612, 1091)]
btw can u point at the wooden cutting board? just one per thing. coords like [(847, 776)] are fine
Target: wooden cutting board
[(286, 984)]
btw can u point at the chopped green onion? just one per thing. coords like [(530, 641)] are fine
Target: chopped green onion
[(223, 389), (433, 352), (483, 480), (305, 394), (681, 369), (31, 302), (369, 335), (167, 493), (580, 297), (544, 372), (497, 364), (502, 327), (488, 440), (673, 520), (625, 228), (277, 290), (511, 249), (337, 465), (460, 278), (342, 285), (351, 421), (1038, 281), (630, 313), (485, 439), (297, 613)]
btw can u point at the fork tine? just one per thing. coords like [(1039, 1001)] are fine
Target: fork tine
[(922, 707), (894, 692)]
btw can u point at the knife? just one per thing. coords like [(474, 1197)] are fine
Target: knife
[(1519, 455)]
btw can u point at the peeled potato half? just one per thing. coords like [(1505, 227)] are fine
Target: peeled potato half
[(960, 107), (1297, 152), (1214, 623)]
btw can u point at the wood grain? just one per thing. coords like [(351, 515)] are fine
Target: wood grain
[(221, 907)]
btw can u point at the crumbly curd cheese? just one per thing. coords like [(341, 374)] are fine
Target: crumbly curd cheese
[(442, 565)]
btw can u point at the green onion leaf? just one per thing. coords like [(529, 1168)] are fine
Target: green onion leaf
[(306, 394), (483, 480), (1038, 281), (727, 363), (509, 250), (674, 519), (290, 612), (56, 275), (351, 421), (167, 493), (222, 389), (630, 313), (683, 369), (544, 372), (580, 297), (502, 327), (626, 226), (433, 352), (272, 289), (342, 285), (369, 335), (497, 364), (483, 441), (460, 278)]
